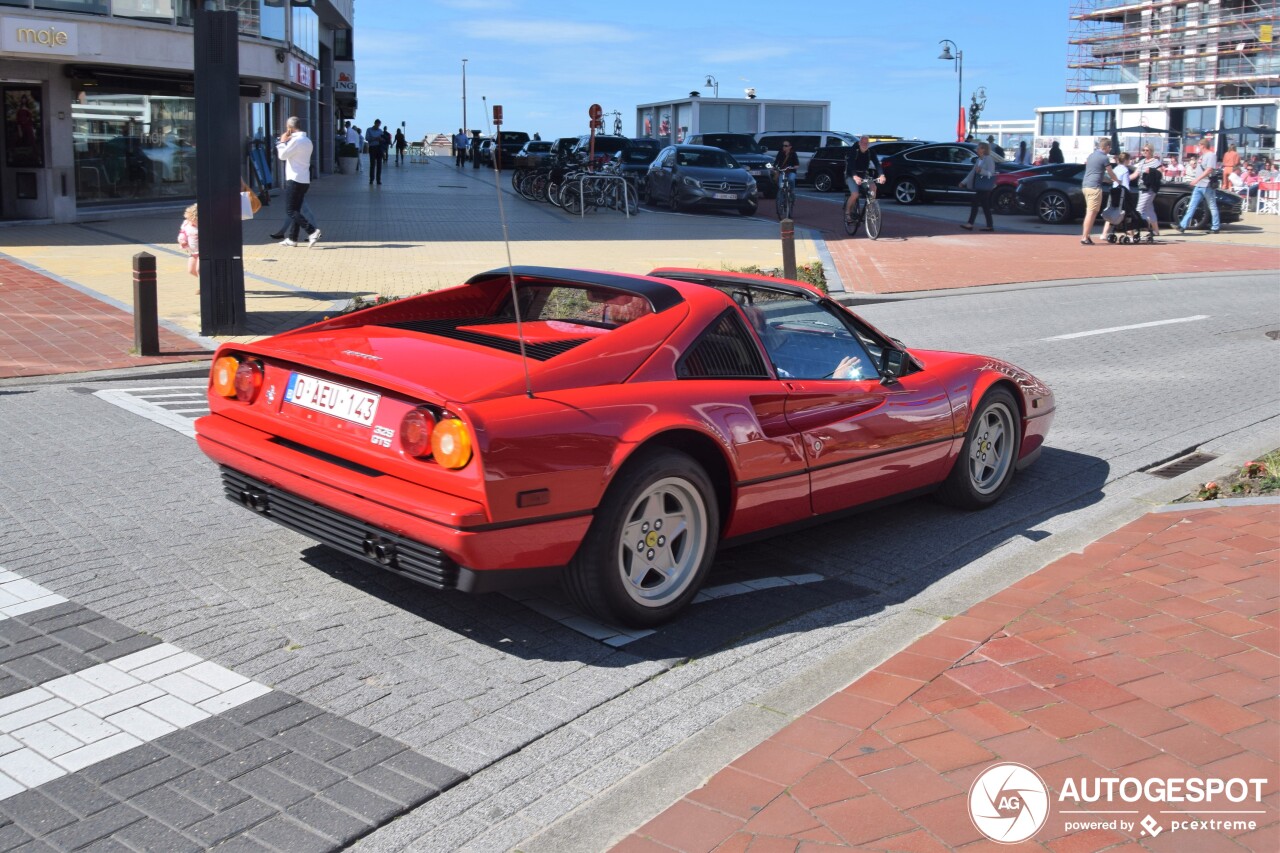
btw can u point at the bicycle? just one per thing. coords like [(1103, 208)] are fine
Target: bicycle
[(866, 211), (786, 198)]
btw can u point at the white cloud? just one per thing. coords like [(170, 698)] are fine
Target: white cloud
[(558, 33)]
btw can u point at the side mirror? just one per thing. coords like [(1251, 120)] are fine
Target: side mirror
[(893, 365)]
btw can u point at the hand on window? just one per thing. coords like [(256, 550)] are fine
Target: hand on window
[(850, 367)]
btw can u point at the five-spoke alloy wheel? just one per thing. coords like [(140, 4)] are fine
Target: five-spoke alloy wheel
[(985, 465)]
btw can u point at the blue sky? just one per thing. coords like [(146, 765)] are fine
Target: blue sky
[(545, 62)]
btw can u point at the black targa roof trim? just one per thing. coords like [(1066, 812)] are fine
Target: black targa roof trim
[(660, 296)]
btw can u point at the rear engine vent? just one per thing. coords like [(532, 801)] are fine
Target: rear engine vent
[(449, 329), (1181, 465)]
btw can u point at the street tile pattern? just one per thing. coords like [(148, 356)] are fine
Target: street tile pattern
[(113, 738), (174, 406), (1155, 653), (47, 327)]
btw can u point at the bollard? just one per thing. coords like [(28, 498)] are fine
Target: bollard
[(788, 249), (146, 316)]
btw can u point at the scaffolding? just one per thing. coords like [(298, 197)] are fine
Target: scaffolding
[(1160, 51)]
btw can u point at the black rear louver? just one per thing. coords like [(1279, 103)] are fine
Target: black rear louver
[(449, 328)]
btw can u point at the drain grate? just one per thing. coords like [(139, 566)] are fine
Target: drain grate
[(1181, 465)]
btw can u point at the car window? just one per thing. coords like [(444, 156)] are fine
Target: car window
[(706, 159), (836, 142), (929, 155), (807, 340), (804, 144)]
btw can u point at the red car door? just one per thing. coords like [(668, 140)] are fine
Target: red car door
[(865, 441)]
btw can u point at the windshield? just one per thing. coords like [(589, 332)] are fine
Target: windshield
[(705, 158)]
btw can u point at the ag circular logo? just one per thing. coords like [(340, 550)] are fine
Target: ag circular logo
[(1008, 803)]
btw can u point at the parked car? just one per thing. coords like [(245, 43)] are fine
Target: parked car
[(605, 147), (1056, 197), (827, 168), (633, 162), (535, 152), (563, 147), (933, 172), (805, 143), (613, 439), (484, 152), (511, 141), (749, 153), (685, 176), (646, 143), (1004, 196)]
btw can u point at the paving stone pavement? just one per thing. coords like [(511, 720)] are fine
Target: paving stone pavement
[(1153, 655), (111, 738)]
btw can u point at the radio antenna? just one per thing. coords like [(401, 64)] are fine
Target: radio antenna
[(506, 241)]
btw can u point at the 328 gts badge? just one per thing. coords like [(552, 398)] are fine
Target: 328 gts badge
[(382, 436)]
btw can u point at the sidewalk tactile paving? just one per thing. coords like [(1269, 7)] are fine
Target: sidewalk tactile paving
[(1170, 692)]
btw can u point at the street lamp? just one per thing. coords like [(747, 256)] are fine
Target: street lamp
[(947, 44), (464, 96), (713, 84)]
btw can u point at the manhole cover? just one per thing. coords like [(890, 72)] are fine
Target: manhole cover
[(1181, 465), (1274, 334)]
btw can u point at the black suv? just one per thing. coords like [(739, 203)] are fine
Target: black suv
[(826, 169), (512, 142), (749, 153)]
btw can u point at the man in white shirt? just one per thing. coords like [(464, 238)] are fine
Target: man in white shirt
[(294, 148)]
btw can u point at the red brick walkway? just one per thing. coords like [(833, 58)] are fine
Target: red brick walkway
[(47, 327), (914, 253), (1152, 655)]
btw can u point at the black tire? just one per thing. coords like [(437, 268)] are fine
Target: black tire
[(1003, 201), (1198, 220), (1053, 207), (613, 576), (872, 219), (673, 201), (823, 183), (748, 208), (987, 459), (645, 198), (907, 191), (785, 204)]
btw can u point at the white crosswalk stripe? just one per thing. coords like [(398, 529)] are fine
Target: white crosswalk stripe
[(165, 405)]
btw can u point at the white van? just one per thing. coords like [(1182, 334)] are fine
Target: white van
[(804, 143)]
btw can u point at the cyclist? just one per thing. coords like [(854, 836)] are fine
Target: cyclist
[(787, 164), (860, 166)]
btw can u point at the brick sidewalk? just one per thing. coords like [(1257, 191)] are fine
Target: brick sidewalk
[(1152, 654), (47, 327), (916, 253)]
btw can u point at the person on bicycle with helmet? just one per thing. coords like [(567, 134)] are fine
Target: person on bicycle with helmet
[(787, 164), (860, 165)]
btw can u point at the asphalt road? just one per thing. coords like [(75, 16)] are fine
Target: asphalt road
[(543, 711)]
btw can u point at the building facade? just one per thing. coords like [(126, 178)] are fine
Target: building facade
[(99, 107), (676, 120)]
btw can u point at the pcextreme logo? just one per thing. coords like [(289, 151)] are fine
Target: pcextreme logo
[(1008, 803)]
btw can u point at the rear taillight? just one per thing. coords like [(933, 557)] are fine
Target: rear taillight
[(886, 164), (223, 376), (415, 432), (451, 443), (248, 380)]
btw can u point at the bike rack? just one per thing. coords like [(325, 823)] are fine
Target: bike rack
[(626, 193)]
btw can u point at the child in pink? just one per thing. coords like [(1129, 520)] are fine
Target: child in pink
[(189, 239)]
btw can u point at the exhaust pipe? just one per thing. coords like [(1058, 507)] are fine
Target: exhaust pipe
[(384, 553), (254, 500)]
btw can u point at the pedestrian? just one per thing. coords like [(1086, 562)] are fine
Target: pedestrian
[(307, 214), (1204, 186), (1023, 158), (1230, 161), (1119, 192), (354, 138), (377, 149), (294, 148), (1055, 152), (1149, 175), (982, 180), (1097, 164), (189, 240), (460, 148), (401, 144), (386, 144), (475, 149)]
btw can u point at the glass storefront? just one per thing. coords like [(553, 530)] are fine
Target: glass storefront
[(131, 147)]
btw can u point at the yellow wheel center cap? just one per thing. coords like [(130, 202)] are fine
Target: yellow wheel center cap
[(652, 539)]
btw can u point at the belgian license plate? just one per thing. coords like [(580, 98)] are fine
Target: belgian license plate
[(726, 196), (319, 395)]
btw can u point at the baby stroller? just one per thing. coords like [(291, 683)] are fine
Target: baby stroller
[(1122, 212)]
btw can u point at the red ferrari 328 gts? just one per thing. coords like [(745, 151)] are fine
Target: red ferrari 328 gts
[(649, 419)]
